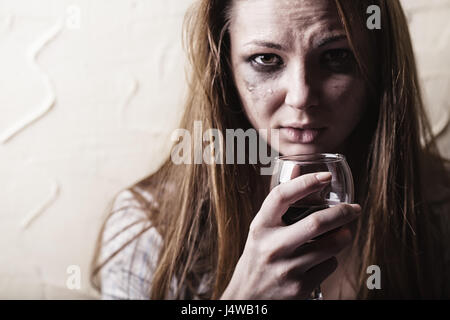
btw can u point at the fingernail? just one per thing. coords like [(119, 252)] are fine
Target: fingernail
[(323, 176)]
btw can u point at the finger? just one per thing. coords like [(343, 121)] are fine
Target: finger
[(318, 251), (318, 223), (285, 194), (317, 197)]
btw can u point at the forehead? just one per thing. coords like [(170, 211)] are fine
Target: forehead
[(283, 20)]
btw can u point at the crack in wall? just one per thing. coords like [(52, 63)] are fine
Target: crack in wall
[(33, 215), (132, 91), (50, 100)]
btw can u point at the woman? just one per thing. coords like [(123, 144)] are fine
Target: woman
[(313, 70)]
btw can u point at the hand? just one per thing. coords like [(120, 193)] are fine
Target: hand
[(279, 261)]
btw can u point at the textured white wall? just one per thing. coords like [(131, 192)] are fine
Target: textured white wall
[(429, 22), (87, 105), (109, 92)]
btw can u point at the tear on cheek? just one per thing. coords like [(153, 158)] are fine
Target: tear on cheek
[(259, 91), (250, 86)]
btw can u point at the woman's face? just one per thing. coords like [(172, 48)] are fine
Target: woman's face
[(294, 71)]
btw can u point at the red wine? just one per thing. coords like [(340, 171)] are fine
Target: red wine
[(294, 214)]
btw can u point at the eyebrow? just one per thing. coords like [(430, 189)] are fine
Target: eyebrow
[(318, 44), (266, 44), (324, 41)]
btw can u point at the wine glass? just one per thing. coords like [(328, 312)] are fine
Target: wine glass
[(339, 190)]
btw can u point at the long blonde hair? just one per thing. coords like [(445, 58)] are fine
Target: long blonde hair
[(204, 218)]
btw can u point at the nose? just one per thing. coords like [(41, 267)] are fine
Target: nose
[(300, 92)]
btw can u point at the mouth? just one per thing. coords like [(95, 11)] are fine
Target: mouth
[(306, 134)]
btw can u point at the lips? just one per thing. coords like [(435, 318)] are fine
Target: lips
[(305, 134)]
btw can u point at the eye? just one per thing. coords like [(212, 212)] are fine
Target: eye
[(338, 60), (266, 60)]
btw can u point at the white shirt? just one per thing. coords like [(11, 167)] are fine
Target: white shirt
[(129, 274)]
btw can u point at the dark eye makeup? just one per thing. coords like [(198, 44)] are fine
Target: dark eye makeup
[(334, 60), (266, 62), (338, 60)]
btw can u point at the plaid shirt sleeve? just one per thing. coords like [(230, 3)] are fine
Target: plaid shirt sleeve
[(133, 260), (128, 274)]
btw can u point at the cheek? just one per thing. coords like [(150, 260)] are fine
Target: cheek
[(259, 96), (345, 97)]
